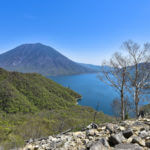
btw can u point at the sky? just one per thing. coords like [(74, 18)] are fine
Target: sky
[(86, 31)]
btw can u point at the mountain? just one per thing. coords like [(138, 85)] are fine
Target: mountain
[(90, 66), (32, 92), (41, 59), (96, 68)]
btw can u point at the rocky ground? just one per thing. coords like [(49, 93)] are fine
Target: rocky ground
[(126, 135)]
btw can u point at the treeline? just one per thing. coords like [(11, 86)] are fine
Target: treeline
[(129, 74)]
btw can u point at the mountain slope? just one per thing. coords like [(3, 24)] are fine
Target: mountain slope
[(40, 59), (31, 92), (96, 68)]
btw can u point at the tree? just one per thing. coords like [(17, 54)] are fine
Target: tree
[(116, 76), (138, 70), (116, 107), (95, 113)]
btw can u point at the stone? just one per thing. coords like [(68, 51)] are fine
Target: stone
[(122, 128), (79, 135), (91, 132), (127, 133), (92, 126), (110, 127), (128, 147), (116, 139), (143, 134), (98, 146), (101, 128), (85, 141), (138, 140), (91, 137), (104, 142), (147, 143)]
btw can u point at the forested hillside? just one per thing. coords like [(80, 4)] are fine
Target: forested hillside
[(32, 106)]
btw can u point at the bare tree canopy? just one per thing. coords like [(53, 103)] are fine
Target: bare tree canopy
[(116, 76), (138, 70), (129, 71)]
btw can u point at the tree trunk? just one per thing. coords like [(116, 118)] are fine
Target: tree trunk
[(122, 106), (137, 110), (136, 102)]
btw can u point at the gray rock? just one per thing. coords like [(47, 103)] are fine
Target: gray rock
[(144, 134), (104, 142), (128, 147), (116, 139), (128, 133), (148, 144), (111, 127), (91, 132), (92, 126), (98, 146), (138, 140)]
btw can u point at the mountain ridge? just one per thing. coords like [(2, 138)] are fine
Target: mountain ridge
[(42, 59)]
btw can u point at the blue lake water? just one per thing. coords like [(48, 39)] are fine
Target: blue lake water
[(93, 90)]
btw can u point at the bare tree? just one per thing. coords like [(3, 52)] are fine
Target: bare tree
[(138, 70), (116, 76), (116, 107), (95, 113)]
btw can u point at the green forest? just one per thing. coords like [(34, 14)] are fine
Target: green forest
[(32, 106)]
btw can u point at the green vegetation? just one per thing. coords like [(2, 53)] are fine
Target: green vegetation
[(146, 108), (32, 92), (33, 106)]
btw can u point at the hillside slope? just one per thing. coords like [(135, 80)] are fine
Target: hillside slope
[(32, 106), (41, 59), (31, 92)]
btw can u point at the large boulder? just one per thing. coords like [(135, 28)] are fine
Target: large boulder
[(116, 139), (111, 128), (91, 132), (138, 140), (128, 133), (143, 134), (128, 147), (148, 144), (98, 146)]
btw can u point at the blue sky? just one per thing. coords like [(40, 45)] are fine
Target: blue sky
[(83, 30)]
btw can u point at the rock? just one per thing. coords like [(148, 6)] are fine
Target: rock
[(92, 126), (147, 143), (116, 139), (104, 142), (122, 128), (138, 140), (101, 128), (129, 140), (110, 127), (85, 141), (79, 135), (127, 133), (98, 146), (30, 141), (128, 147), (91, 138), (144, 134), (91, 132)]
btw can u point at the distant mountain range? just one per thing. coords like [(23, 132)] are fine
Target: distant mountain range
[(41, 59)]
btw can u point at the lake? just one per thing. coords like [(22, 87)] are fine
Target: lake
[(93, 90)]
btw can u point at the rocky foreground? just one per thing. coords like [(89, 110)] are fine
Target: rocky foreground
[(126, 135)]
